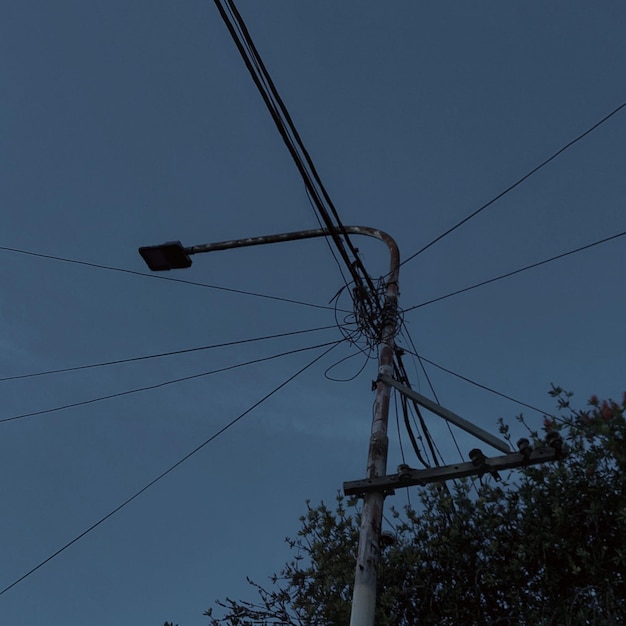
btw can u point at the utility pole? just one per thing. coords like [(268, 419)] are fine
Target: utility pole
[(365, 577), (377, 484), (173, 255)]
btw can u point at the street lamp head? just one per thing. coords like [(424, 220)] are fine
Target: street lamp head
[(167, 256)]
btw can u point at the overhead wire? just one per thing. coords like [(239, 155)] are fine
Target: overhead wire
[(517, 182), (343, 360), (400, 445), (421, 361), (514, 272), (167, 471), (300, 155), (355, 329), (485, 387), (413, 408), (412, 438), (330, 248), (165, 383), (351, 263), (275, 105), (409, 338), (402, 377), (395, 404), (165, 354), (166, 278)]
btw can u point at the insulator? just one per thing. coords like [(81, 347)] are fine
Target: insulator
[(477, 457), (523, 445)]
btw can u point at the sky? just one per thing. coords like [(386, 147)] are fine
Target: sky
[(125, 124)]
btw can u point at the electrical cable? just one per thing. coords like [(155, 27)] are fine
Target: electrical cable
[(518, 182), (517, 271), (163, 474), (402, 456), (407, 335), (485, 387), (407, 424), (284, 123), (165, 383), (278, 111), (354, 328), (347, 358), (330, 248), (395, 404), (164, 354), (421, 361), (167, 278), (402, 377)]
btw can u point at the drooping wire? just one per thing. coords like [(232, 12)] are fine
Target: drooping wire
[(160, 277), (517, 271), (352, 376), (396, 393), (414, 408), (164, 473), (395, 405), (355, 336), (423, 359), (407, 424), (444, 486), (358, 327), (516, 183), (165, 383), (159, 355), (402, 377), (407, 335)]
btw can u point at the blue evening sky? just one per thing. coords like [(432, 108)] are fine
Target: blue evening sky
[(128, 123)]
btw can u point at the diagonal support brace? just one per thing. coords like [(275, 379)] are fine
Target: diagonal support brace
[(447, 415)]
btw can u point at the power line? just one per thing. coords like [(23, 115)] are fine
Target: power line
[(165, 354), (326, 239), (159, 277), (516, 183), (165, 383), (481, 386), (288, 131), (401, 376), (166, 472), (517, 271)]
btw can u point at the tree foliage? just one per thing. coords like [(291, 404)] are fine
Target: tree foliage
[(544, 546)]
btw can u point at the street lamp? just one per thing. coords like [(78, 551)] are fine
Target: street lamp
[(173, 255), (376, 484), (167, 256)]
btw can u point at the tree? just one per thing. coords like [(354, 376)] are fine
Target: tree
[(545, 546)]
